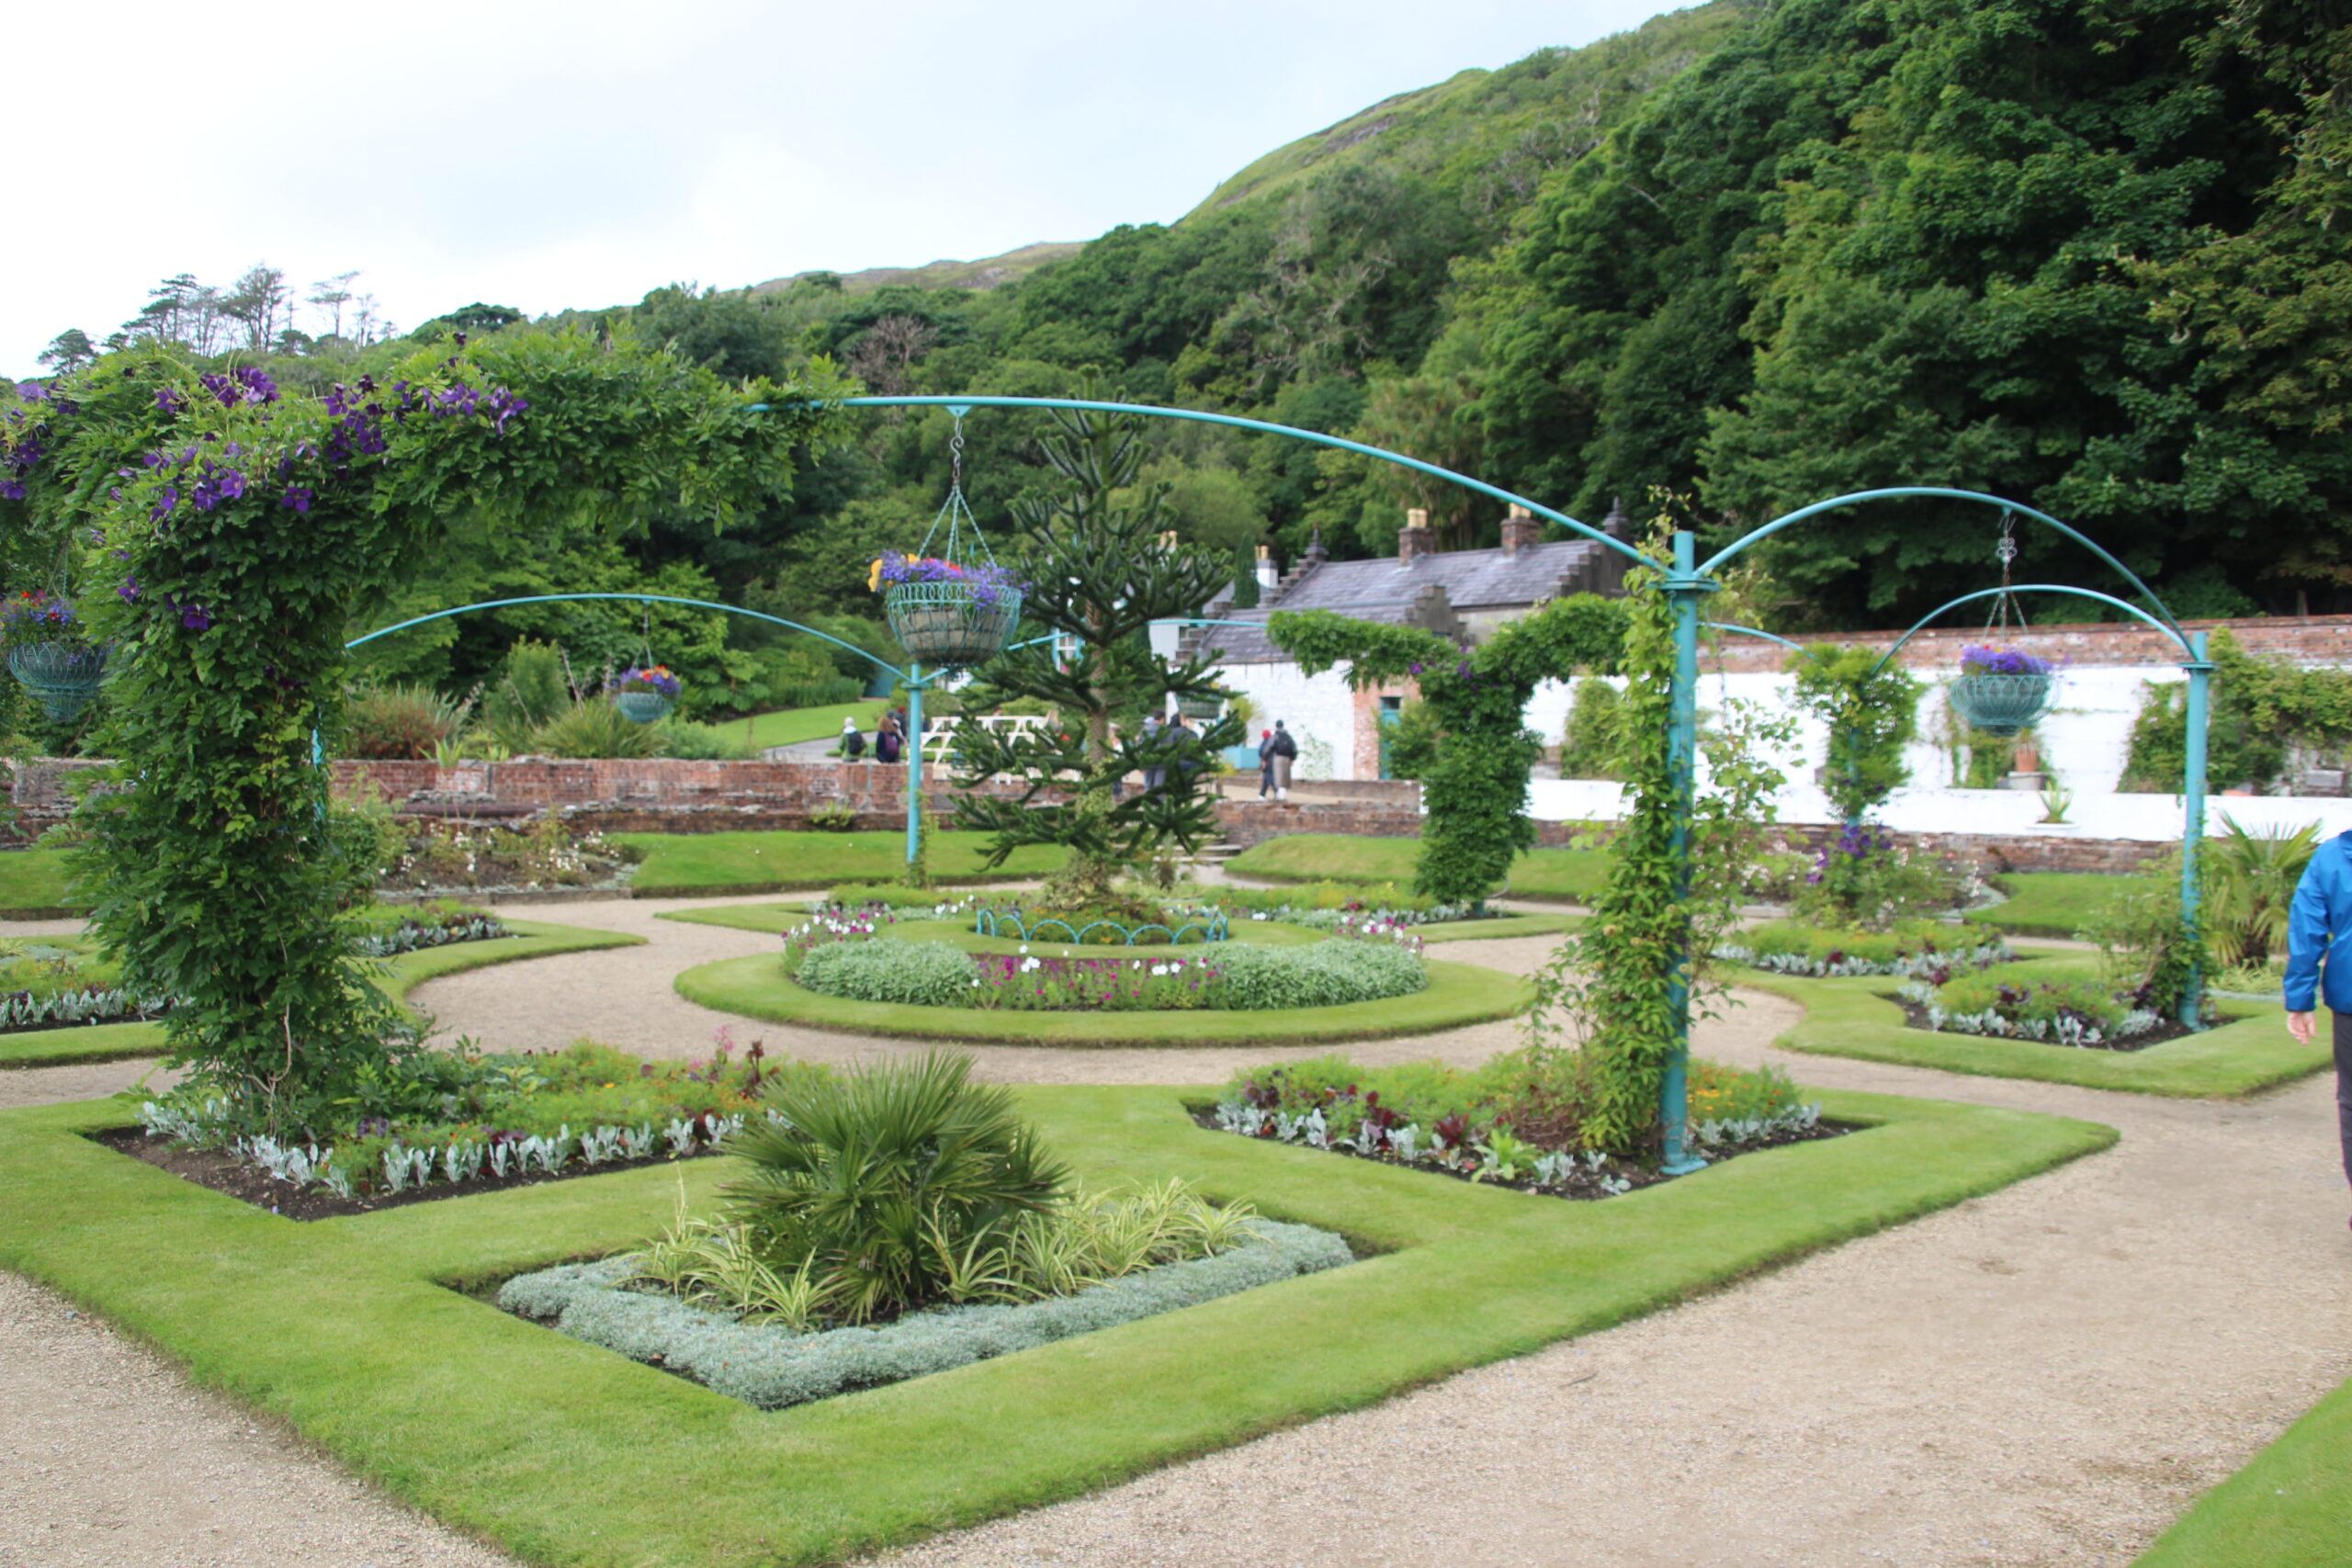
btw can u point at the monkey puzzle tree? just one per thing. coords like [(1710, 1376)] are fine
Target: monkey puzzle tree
[(1098, 569)]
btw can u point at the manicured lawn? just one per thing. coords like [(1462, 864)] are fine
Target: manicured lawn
[(1458, 994), (2291, 1508), (2050, 903), (786, 726), (783, 917), (121, 1041), (1851, 1018), (688, 863), (32, 887), (1571, 876), (563, 1453)]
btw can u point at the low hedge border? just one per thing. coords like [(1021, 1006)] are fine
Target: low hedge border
[(357, 1332), (129, 1042), (773, 1369), (1850, 1017), (1458, 995)]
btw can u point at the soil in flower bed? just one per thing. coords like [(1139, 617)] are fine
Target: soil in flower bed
[(1582, 1183), (223, 1172), (2170, 1028)]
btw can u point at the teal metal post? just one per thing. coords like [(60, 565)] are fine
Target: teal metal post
[(914, 763), (1684, 588), (2201, 671)]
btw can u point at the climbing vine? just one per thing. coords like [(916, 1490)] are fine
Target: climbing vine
[(222, 533), (1872, 710), (1473, 752), (1608, 989)]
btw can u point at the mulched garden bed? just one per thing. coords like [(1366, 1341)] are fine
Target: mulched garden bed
[(1583, 1183), (2171, 1029), (223, 1172)]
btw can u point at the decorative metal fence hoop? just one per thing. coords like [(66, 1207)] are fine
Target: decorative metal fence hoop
[(1013, 926), (61, 676)]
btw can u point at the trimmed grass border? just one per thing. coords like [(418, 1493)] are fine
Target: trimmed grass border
[(2290, 1508), (690, 864), (559, 1452), (2049, 903), (1458, 994), (1564, 875), (780, 918), (125, 1042), (32, 887), (1849, 1018)]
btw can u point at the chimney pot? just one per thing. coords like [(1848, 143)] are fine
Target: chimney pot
[(1417, 539), (1520, 531)]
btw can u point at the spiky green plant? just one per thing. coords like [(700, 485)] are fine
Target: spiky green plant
[(594, 728), (2252, 878), (882, 1176)]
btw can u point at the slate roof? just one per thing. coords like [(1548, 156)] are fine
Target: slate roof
[(1425, 589)]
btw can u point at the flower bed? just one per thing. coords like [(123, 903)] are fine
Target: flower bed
[(2060, 1012), (52, 986), (1515, 1123), (774, 1367), (432, 926), (460, 1122), (1914, 950), (845, 961), (484, 858)]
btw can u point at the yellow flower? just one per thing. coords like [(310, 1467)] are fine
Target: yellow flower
[(874, 578)]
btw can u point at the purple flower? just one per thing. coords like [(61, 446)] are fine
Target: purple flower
[(196, 617), (1983, 660), (168, 401), (128, 591), (32, 391), (12, 490), (168, 498), (297, 499)]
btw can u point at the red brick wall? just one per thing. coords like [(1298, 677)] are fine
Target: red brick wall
[(2312, 639)]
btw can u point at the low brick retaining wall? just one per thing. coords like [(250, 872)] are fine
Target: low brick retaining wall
[(666, 796)]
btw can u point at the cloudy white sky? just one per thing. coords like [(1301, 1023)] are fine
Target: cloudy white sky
[(547, 154)]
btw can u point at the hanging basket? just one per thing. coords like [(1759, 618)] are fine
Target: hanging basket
[(1203, 708), (949, 624), (2003, 704), (642, 707), (61, 676)]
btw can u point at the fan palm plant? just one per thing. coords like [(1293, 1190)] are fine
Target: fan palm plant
[(2252, 881), (882, 1179)]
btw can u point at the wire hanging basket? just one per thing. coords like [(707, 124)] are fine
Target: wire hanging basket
[(64, 677), (957, 608), (2003, 690), (647, 691)]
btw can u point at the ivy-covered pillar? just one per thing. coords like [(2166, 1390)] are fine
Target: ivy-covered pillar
[(2201, 671), (1685, 591)]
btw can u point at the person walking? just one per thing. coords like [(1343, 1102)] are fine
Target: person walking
[(2318, 921), (1154, 770), (1174, 739), (1265, 763), (887, 743), (1285, 753), (852, 741)]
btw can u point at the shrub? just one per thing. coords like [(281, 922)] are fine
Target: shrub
[(1329, 974), (917, 974), (595, 728), (1589, 743), (1862, 880), (692, 742), (404, 723), (2068, 1012), (532, 687), (882, 1183)]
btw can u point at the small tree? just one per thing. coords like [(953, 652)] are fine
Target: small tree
[(1474, 752), (1872, 706), (1099, 571)]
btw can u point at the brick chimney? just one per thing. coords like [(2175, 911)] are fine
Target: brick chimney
[(1520, 531), (1417, 539)]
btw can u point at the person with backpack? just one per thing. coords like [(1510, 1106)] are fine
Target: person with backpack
[(852, 743), (1285, 751), (887, 742), (1265, 763)]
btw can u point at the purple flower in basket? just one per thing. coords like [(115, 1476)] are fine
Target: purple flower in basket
[(988, 582), (650, 678), (1983, 660)]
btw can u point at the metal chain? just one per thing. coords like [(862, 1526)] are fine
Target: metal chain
[(2007, 551)]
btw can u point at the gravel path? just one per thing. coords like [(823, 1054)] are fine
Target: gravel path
[(2046, 1376)]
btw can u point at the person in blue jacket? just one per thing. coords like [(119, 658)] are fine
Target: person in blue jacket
[(2319, 921)]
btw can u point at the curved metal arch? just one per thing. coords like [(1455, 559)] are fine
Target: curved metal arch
[(1800, 513), (2187, 649), (1750, 631), (959, 402), (630, 598)]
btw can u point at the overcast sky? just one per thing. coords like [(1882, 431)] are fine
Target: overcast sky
[(543, 155)]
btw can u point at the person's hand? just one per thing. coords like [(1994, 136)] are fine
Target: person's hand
[(2302, 1026)]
